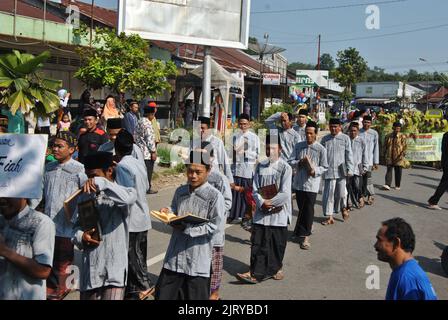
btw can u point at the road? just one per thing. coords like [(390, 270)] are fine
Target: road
[(335, 267)]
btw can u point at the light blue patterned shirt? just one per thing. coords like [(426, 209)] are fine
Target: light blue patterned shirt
[(359, 149), (280, 174), (339, 156), (220, 182), (318, 155), (129, 172), (288, 138), (371, 138), (243, 164), (31, 235), (59, 183), (190, 250), (107, 264)]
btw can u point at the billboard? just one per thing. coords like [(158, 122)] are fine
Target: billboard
[(202, 22), (311, 78)]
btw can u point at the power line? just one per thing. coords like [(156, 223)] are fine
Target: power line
[(327, 7), (372, 37)]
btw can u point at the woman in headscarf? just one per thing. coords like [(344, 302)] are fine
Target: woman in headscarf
[(110, 110)]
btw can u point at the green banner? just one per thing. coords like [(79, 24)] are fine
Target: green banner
[(424, 147)]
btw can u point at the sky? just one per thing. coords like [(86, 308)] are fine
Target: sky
[(408, 30)]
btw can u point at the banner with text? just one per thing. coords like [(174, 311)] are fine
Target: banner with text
[(22, 160), (424, 147)]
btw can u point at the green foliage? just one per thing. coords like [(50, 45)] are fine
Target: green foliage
[(21, 84), (301, 66), (327, 62), (352, 68), (276, 108), (122, 63), (163, 154)]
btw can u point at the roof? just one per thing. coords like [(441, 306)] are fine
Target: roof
[(231, 59), (219, 77), (437, 96), (105, 16), (28, 10)]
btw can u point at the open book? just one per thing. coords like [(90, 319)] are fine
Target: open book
[(172, 219), (70, 204)]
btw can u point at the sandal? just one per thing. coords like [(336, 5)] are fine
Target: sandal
[(143, 295), (279, 275), (305, 245), (345, 214), (327, 222), (246, 277)]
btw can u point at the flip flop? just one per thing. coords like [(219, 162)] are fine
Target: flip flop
[(145, 294), (327, 222), (279, 275), (246, 277)]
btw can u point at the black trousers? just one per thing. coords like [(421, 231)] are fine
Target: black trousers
[(179, 286), (443, 186), (354, 186), (366, 181), (149, 169), (398, 170), (138, 276), (305, 203), (268, 245)]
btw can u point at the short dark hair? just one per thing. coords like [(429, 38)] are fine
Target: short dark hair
[(290, 116), (399, 228), (199, 157), (354, 124), (207, 146), (312, 124), (274, 139), (133, 102)]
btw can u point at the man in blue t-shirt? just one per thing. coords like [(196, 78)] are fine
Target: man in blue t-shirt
[(395, 244)]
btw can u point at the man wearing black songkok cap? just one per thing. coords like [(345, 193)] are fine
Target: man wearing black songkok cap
[(131, 172), (221, 160), (108, 243), (370, 137), (395, 147), (300, 127), (90, 140), (61, 179), (340, 166), (186, 268)]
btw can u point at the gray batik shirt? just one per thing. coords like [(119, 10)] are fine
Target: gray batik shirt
[(371, 139), (59, 183), (130, 172), (318, 155), (339, 156), (107, 264), (30, 234), (190, 251), (220, 182), (280, 174)]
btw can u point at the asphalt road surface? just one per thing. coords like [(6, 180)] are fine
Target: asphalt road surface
[(342, 261)]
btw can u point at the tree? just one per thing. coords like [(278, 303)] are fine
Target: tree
[(352, 69), (23, 87), (122, 63), (327, 62), (300, 66)]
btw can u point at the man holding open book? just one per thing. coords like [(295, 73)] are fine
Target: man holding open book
[(186, 267)]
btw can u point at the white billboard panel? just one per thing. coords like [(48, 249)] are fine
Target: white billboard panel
[(203, 22)]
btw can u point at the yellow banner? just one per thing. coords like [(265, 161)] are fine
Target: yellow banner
[(424, 147)]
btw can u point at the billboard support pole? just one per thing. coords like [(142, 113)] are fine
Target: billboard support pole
[(206, 82)]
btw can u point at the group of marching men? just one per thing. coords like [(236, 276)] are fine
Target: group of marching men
[(113, 266)]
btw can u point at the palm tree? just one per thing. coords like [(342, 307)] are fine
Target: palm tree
[(23, 87)]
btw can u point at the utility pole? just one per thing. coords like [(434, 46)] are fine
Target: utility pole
[(318, 69), (91, 22)]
